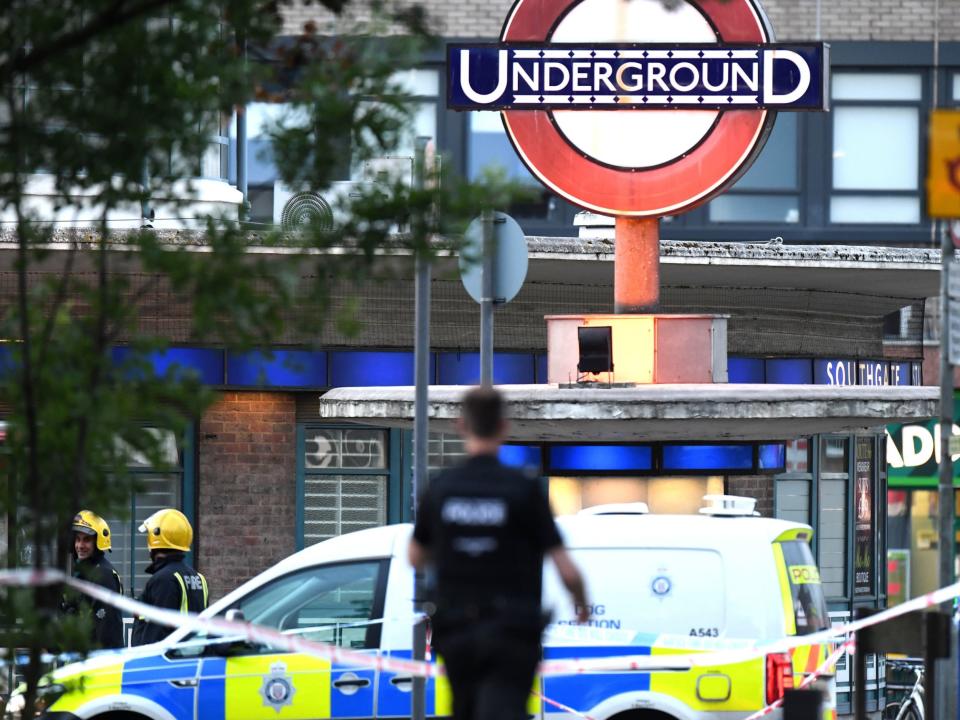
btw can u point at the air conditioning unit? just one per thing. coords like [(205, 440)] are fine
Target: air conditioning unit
[(389, 170), (296, 208)]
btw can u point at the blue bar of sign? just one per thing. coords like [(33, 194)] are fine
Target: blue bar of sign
[(600, 458), (789, 371), (834, 372), (615, 76), (366, 368), (204, 364), (542, 373), (708, 457), (463, 368), (745, 370), (526, 457), (277, 368)]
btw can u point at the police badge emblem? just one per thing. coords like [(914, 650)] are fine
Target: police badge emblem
[(277, 690)]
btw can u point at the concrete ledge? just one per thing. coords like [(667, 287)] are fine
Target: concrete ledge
[(652, 412)]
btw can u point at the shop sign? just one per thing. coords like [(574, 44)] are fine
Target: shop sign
[(943, 175), (863, 518), (865, 372), (703, 81), (914, 452)]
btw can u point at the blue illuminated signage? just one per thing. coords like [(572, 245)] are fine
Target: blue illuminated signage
[(613, 76), (463, 368), (708, 457), (363, 368), (789, 371), (202, 364), (600, 458), (526, 457), (279, 368), (745, 370)]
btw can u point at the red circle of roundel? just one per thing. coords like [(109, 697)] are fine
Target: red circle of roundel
[(680, 185)]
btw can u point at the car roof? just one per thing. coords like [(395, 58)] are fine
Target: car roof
[(642, 530)]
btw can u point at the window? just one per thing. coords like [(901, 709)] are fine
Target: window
[(335, 604), (769, 191), (832, 506), (345, 478), (806, 594), (876, 148), (489, 150), (792, 487), (422, 85), (156, 491), (329, 603)]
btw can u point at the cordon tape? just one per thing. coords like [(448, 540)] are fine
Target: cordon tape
[(716, 652)]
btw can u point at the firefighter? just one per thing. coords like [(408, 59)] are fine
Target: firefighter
[(91, 540), (174, 585)]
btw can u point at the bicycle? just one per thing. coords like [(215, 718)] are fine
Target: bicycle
[(910, 705)]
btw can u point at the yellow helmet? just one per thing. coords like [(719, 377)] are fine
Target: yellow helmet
[(168, 529), (90, 523)]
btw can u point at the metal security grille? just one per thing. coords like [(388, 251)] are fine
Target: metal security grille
[(345, 479), (154, 492), (444, 451)]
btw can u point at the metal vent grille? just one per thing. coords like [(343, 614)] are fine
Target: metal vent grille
[(345, 481), (338, 504), (306, 208)]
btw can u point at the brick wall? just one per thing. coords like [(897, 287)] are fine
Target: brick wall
[(791, 19), (246, 487), (759, 487)]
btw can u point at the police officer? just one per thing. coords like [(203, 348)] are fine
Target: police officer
[(484, 529), (174, 585), (91, 540)]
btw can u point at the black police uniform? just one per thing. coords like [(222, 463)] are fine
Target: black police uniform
[(107, 623), (174, 585), (486, 527)]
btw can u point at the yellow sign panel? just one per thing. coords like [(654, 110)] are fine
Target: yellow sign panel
[(943, 179)]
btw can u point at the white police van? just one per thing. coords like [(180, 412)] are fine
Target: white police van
[(659, 585)]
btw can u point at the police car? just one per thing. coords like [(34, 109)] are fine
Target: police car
[(659, 584)]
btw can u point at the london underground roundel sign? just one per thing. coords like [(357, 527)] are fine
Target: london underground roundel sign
[(627, 107)]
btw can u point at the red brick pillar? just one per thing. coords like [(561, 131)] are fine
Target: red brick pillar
[(246, 486)]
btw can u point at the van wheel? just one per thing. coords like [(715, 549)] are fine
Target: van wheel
[(643, 715), (120, 715)]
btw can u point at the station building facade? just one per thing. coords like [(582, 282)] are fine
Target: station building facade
[(837, 195)]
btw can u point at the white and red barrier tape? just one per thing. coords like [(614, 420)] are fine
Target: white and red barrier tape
[(645, 663)]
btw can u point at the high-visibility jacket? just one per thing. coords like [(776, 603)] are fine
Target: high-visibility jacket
[(174, 585)]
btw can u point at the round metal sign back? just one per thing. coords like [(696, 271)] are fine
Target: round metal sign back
[(639, 163)]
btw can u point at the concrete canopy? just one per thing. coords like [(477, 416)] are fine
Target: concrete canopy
[(545, 413)]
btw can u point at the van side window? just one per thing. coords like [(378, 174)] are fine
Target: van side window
[(328, 603), (806, 592)]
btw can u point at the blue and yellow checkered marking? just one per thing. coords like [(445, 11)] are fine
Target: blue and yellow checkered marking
[(153, 678), (583, 692)]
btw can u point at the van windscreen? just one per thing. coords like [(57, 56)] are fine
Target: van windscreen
[(809, 608)]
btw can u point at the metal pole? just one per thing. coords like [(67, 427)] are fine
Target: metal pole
[(486, 300), (420, 430), (946, 685), (242, 159), (242, 144)]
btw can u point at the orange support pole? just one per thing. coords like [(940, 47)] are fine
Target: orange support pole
[(636, 265)]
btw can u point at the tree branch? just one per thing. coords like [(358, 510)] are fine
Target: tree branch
[(113, 17)]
